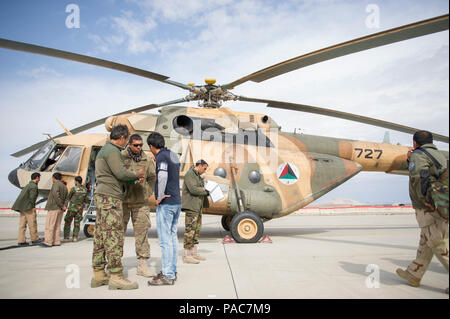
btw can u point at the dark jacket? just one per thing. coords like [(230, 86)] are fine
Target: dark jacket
[(27, 198), (57, 197), (111, 173), (167, 161), (194, 195)]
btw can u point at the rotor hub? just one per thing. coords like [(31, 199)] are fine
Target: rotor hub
[(210, 95)]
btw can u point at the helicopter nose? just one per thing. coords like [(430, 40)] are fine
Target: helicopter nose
[(13, 179)]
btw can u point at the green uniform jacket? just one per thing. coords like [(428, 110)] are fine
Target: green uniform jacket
[(57, 197), (27, 198), (111, 173), (78, 195), (194, 195), (419, 166), (138, 194)]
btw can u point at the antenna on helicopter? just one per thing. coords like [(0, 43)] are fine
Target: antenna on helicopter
[(48, 134), (64, 128)]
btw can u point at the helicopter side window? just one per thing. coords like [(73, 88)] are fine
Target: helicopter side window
[(208, 130), (70, 160), (256, 138)]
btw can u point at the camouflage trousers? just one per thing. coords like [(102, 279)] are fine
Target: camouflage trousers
[(140, 217), (108, 235), (76, 216), (193, 225), (433, 242)]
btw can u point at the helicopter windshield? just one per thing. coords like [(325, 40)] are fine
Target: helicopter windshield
[(37, 158)]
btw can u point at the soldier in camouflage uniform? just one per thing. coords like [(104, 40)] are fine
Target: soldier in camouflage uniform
[(111, 175), (78, 195), (136, 200), (194, 199), (434, 229)]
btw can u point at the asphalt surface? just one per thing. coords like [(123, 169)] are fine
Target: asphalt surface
[(319, 257)]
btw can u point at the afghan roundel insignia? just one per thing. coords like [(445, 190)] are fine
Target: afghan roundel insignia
[(288, 173)]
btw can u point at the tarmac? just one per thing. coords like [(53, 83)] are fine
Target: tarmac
[(325, 256)]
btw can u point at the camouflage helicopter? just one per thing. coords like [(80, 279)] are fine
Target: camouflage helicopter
[(263, 173)]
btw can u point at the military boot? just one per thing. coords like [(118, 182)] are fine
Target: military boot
[(74, 239), (196, 255), (413, 281), (143, 269), (100, 278), (188, 258), (118, 281)]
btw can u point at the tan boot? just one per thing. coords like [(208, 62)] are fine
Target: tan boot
[(118, 281), (196, 255), (188, 259), (143, 269), (413, 281), (100, 278)]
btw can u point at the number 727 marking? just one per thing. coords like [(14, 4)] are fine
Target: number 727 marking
[(368, 152)]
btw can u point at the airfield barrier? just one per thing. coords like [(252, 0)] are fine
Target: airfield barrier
[(345, 210), (356, 210)]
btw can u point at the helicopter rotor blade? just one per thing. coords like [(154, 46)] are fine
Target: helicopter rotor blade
[(31, 48), (342, 115), (398, 34), (94, 124)]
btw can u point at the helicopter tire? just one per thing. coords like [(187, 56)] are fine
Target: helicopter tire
[(226, 222), (246, 227), (89, 230)]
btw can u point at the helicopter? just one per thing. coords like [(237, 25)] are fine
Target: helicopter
[(262, 172)]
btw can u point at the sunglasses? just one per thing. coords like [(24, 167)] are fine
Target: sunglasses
[(137, 145)]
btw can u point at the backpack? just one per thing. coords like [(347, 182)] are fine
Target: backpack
[(437, 193)]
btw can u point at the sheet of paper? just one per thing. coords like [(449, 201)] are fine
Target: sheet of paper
[(210, 185), (214, 190)]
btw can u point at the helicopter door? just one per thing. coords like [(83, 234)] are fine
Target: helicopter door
[(90, 180)]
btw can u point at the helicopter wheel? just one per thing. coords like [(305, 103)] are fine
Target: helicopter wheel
[(246, 227), (226, 222), (89, 230)]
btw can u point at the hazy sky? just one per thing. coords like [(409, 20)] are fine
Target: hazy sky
[(191, 40)]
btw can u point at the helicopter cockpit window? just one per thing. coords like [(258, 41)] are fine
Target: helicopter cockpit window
[(36, 160), (54, 157), (70, 160)]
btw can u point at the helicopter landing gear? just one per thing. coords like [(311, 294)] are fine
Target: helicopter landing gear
[(226, 222), (246, 227), (89, 230)]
